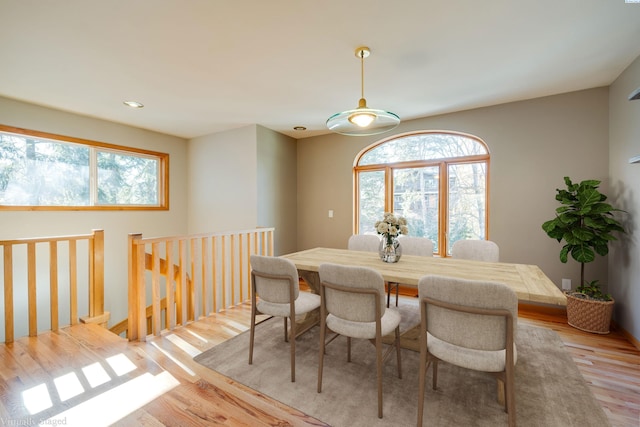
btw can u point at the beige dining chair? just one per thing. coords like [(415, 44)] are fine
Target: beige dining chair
[(471, 324), (411, 245), (353, 306), (275, 291), (479, 250), (363, 242)]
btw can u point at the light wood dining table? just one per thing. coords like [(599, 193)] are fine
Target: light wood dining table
[(528, 281)]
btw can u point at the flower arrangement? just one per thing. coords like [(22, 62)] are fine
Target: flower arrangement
[(391, 227)]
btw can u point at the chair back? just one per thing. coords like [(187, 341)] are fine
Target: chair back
[(363, 242), (468, 328), (349, 292), (420, 246), (273, 278), (479, 250)]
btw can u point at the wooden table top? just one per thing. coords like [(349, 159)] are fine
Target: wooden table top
[(528, 281)]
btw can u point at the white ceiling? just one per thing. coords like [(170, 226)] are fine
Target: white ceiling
[(205, 66)]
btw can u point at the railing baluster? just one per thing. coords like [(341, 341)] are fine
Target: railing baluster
[(155, 288), (214, 270), (171, 291), (73, 282), (8, 293), (223, 274), (53, 284), (31, 284), (205, 277), (232, 267)]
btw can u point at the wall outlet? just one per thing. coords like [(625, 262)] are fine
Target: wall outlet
[(566, 284), (330, 213)]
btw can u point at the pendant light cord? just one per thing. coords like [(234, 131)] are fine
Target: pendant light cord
[(362, 73)]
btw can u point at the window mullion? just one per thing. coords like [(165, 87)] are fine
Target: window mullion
[(93, 176), (388, 189), (443, 209)]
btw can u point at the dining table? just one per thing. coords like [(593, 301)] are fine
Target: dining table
[(528, 281)]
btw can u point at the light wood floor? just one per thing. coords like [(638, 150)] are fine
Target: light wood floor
[(200, 397)]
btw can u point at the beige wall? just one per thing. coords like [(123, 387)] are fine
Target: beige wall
[(277, 187), (624, 140), (533, 145), (222, 181), (116, 224), (241, 179)]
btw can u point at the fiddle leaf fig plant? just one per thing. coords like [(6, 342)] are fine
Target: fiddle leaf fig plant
[(584, 223)]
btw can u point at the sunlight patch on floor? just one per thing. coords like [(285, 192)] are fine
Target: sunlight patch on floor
[(37, 399), (113, 405), (95, 375), (68, 386), (174, 360), (183, 345), (121, 364), (237, 326), (197, 336)]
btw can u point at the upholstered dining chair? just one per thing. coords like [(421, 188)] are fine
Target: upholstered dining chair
[(411, 245), (353, 306), (363, 242), (275, 291), (479, 250), (471, 324)]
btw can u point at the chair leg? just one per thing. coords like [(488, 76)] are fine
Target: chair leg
[(293, 350), (435, 373), (379, 373), (252, 334), (322, 350), (388, 293), (397, 292), (510, 396), (286, 336), (398, 352), (422, 380), (348, 349)]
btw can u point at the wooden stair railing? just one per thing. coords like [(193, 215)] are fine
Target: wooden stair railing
[(55, 248), (123, 326), (209, 272)]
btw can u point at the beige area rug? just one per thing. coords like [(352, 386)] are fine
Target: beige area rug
[(549, 388)]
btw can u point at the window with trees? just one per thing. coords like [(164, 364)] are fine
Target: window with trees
[(437, 180), (40, 171)]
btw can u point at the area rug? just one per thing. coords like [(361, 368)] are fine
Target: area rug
[(549, 388)]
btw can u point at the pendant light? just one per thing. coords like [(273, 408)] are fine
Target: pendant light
[(363, 120)]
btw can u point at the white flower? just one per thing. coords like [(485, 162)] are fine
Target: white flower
[(391, 226)]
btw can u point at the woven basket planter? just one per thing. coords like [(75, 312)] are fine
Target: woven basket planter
[(589, 315)]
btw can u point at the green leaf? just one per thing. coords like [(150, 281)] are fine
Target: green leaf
[(591, 183), (582, 234), (549, 226), (564, 252), (583, 254)]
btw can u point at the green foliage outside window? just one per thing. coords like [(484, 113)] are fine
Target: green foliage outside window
[(44, 172), (417, 164)]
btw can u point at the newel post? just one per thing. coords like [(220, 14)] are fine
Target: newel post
[(96, 281), (137, 324)]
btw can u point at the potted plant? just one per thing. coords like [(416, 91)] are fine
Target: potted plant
[(585, 223)]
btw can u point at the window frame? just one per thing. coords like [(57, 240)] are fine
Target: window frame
[(443, 165), (97, 146)]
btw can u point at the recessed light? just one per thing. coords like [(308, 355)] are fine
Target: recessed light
[(133, 104), (299, 128)]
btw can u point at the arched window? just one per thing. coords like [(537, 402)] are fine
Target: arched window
[(437, 180)]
